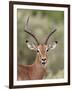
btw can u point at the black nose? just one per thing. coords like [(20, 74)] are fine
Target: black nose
[(43, 59)]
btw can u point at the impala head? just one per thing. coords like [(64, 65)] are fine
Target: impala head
[(41, 49)]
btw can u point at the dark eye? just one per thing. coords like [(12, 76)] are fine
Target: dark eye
[(37, 50), (47, 50)]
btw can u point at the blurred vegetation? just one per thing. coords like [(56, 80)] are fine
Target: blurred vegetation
[(41, 23)]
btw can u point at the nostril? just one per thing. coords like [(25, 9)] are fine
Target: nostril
[(44, 59)]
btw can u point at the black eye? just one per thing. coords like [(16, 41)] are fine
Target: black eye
[(47, 50), (37, 50)]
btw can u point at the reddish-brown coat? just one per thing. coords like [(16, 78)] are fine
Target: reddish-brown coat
[(31, 72)]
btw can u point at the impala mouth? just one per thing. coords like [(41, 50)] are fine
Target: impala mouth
[(43, 62)]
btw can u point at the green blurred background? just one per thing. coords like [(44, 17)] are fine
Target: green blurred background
[(41, 23)]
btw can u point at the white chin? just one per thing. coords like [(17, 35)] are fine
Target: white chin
[(43, 62)]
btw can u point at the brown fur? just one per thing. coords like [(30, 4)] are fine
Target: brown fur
[(32, 72)]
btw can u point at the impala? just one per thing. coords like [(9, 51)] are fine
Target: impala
[(38, 69)]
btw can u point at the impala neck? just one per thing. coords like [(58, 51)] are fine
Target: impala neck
[(38, 71), (37, 61)]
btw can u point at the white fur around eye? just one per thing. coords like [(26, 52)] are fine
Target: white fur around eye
[(47, 49), (38, 50)]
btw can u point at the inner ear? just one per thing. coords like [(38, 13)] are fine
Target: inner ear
[(31, 46), (53, 45)]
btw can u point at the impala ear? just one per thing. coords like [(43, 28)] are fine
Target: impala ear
[(31, 46), (53, 45)]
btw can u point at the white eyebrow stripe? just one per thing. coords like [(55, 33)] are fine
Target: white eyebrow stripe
[(47, 49), (38, 49), (40, 52)]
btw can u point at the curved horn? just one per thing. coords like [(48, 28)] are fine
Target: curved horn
[(26, 30), (49, 36)]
